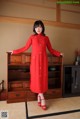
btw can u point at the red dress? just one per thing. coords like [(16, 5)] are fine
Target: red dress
[(39, 61)]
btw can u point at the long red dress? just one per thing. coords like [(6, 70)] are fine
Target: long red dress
[(39, 61)]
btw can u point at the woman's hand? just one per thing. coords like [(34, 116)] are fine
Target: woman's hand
[(11, 52), (61, 54)]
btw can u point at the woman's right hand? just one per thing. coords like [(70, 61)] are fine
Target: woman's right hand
[(11, 52), (62, 55)]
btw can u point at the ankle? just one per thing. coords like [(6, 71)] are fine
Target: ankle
[(43, 102), (41, 95)]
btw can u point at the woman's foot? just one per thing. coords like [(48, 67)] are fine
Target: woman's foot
[(41, 101), (43, 104)]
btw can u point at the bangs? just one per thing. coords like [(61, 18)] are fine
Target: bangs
[(37, 25)]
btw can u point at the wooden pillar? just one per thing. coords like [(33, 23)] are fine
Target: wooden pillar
[(58, 12)]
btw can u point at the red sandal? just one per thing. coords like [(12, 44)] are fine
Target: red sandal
[(43, 106)]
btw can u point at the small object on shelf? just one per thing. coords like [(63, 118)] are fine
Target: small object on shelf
[(76, 63), (77, 57), (52, 68)]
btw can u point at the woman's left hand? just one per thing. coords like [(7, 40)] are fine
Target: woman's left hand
[(61, 54)]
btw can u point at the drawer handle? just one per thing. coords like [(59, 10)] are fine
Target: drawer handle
[(17, 95)]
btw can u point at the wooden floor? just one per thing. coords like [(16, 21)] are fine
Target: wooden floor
[(18, 110)]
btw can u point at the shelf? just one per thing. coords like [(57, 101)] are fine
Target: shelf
[(19, 64)]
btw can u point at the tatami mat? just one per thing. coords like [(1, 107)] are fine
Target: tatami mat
[(54, 106), (18, 110), (15, 110)]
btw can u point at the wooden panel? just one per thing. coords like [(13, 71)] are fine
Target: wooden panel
[(15, 85), (68, 17), (49, 59), (58, 12), (19, 85), (56, 60), (28, 59), (16, 59), (26, 84), (45, 11), (51, 93), (17, 94), (31, 96), (18, 75)]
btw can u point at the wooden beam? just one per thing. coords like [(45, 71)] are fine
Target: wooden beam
[(52, 0), (73, 11), (31, 21), (29, 4), (58, 12), (16, 20)]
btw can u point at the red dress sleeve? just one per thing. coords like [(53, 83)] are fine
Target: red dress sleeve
[(28, 44), (52, 51)]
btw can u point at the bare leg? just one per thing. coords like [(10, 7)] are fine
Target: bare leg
[(42, 99), (41, 95), (39, 100)]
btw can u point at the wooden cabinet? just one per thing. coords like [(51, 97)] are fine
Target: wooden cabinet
[(18, 78), (71, 80)]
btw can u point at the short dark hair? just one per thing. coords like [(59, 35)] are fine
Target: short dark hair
[(36, 24)]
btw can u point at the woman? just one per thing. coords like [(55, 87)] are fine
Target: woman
[(39, 61)]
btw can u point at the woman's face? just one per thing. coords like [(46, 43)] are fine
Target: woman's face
[(38, 29)]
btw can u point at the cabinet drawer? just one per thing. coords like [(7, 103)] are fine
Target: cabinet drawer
[(30, 94), (16, 59), (15, 85), (53, 92), (19, 85), (28, 59), (26, 84), (18, 94)]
